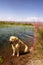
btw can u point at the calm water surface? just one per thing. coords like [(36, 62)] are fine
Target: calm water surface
[(19, 31)]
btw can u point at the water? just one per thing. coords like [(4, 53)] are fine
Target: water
[(18, 31)]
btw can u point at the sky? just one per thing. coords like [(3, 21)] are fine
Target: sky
[(21, 10)]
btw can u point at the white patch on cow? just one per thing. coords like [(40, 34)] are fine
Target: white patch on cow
[(26, 48)]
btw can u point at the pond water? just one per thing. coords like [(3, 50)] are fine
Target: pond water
[(23, 32)]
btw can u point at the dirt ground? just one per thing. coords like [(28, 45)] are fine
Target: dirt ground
[(21, 60), (25, 59)]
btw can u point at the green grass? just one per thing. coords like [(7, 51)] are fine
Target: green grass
[(9, 24), (22, 26), (1, 59)]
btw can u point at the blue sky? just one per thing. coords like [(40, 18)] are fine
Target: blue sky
[(21, 10)]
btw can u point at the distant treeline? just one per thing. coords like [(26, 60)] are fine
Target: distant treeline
[(15, 23)]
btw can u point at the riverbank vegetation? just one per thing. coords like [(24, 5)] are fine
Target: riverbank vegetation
[(8, 24)]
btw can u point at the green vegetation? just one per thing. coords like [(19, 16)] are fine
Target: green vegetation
[(40, 37), (9, 24), (38, 52), (40, 34), (1, 59)]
